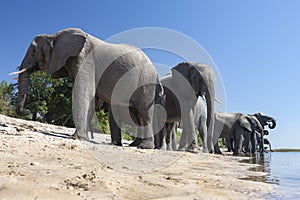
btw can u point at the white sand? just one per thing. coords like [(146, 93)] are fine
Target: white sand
[(38, 162)]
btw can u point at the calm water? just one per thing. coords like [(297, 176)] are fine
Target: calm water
[(283, 170)]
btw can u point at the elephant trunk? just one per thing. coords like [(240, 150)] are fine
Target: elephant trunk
[(272, 124), (23, 83), (210, 99)]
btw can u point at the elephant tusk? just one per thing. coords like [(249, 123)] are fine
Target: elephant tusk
[(18, 72)]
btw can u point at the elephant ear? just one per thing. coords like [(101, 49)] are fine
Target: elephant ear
[(243, 121), (66, 43), (256, 123), (188, 70)]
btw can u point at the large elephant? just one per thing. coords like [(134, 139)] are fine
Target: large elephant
[(236, 126), (182, 87), (99, 70)]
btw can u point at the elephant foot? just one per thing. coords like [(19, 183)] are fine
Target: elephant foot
[(116, 143), (136, 142), (74, 136), (181, 148), (237, 154), (146, 143), (192, 149), (205, 151), (169, 148), (219, 153)]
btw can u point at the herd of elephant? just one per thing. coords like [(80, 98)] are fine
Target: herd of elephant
[(121, 79)]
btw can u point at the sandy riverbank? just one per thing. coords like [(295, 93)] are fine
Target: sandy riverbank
[(39, 162)]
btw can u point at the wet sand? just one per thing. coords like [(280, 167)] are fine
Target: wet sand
[(39, 162)]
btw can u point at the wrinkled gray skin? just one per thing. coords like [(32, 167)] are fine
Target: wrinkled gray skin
[(95, 67), (264, 121), (200, 118), (236, 126), (182, 88), (169, 131)]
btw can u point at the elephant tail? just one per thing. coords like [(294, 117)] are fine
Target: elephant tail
[(160, 97)]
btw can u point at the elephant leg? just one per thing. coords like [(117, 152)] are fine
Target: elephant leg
[(229, 144), (91, 112), (83, 97), (270, 147), (253, 143), (174, 129), (135, 142), (169, 135), (246, 143), (217, 149), (115, 130), (215, 141), (209, 143), (203, 132), (238, 144), (189, 131), (83, 126), (146, 128), (182, 142), (147, 142), (158, 138)]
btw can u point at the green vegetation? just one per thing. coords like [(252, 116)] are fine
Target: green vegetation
[(7, 98), (102, 124), (49, 100)]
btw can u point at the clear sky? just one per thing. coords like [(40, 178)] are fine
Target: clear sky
[(255, 44)]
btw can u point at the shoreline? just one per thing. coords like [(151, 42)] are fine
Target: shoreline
[(39, 162)]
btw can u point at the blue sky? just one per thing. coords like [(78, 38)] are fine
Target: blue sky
[(255, 44)]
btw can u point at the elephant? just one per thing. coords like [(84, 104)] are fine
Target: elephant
[(235, 126), (266, 120), (169, 131), (99, 70), (267, 142), (187, 82)]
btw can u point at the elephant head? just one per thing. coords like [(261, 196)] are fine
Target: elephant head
[(49, 52), (253, 125), (266, 120), (250, 123), (202, 80)]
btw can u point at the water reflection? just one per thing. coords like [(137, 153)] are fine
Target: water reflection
[(264, 165), (282, 169)]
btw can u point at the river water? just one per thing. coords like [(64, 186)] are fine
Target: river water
[(283, 170)]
